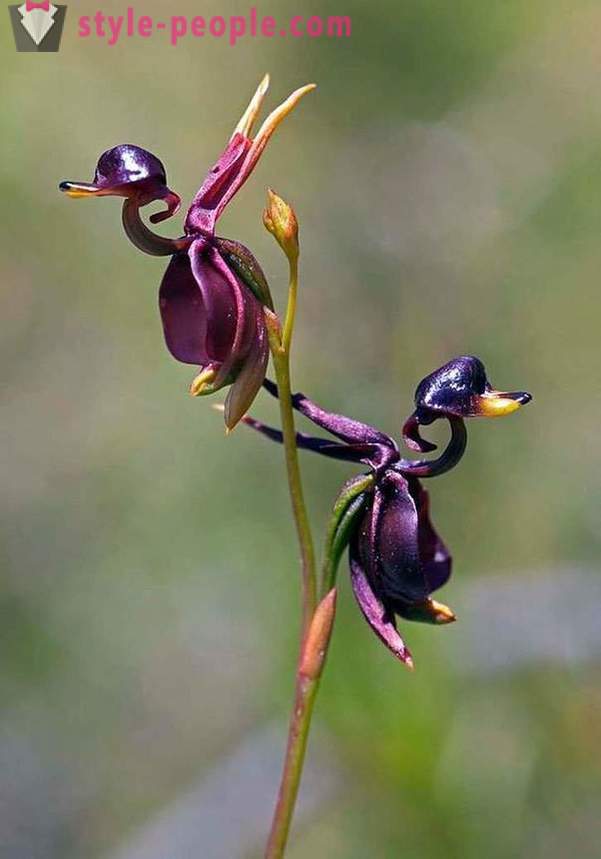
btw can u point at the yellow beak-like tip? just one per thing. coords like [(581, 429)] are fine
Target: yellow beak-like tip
[(442, 614), (78, 190), (495, 404)]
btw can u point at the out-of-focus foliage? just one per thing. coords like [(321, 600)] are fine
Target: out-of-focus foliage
[(447, 178)]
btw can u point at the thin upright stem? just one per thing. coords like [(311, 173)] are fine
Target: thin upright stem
[(282, 371), (280, 349), (306, 686), (311, 664), (298, 734), (291, 309)]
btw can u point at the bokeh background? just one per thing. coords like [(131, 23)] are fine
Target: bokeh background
[(447, 176)]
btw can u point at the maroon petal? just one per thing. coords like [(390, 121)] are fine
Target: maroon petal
[(202, 310), (233, 312), (203, 211), (395, 548), (249, 380), (183, 313), (380, 620), (435, 557)]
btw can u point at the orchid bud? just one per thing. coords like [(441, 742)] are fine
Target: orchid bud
[(280, 220), (318, 636)]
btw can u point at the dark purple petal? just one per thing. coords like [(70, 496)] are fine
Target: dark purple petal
[(183, 313), (366, 444), (232, 311), (200, 309), (435, 557), (381, 621), (323, 446), (392, 550), (203, 211), (250, 378)]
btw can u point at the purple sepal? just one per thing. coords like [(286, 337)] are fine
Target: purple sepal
[(250, 378), (389, 542), (400, 557), (363, 443), (205, 208), (435, 558), (380, 620), (211, 318)]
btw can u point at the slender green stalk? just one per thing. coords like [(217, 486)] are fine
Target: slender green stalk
[(314, 650), (292, 302), (282, 374), (298, 733), (311, 665), (280, 344), (306, 686)]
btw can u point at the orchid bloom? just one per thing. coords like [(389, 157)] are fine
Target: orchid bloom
[(397, 559), (213, 293)]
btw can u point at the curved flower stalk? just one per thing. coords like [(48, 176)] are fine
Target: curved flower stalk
[(397, 559), (214, 291)]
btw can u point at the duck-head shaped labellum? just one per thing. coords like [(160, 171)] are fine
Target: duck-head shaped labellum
[(126, 171), (397, 561), (461, 388), (138, 176), (213, 293), (458, 390)]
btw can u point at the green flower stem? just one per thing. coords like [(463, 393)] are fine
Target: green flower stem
[(280, 350), (306, 686), (314, 651), (311, 665), (292, 302)]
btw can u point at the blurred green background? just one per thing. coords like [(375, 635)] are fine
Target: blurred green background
[(447, 177)]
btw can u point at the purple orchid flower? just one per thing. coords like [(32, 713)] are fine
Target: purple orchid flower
[(213, 293), (397, 559)]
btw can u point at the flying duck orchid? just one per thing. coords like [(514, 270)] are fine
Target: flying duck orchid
[(397, 559), (213, 293)]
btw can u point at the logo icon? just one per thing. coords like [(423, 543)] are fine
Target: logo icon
[(37, 26)]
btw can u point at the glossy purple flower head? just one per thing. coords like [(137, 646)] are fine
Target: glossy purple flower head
[(459, 389), (131, 172), (213, 293), (397, 559)]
